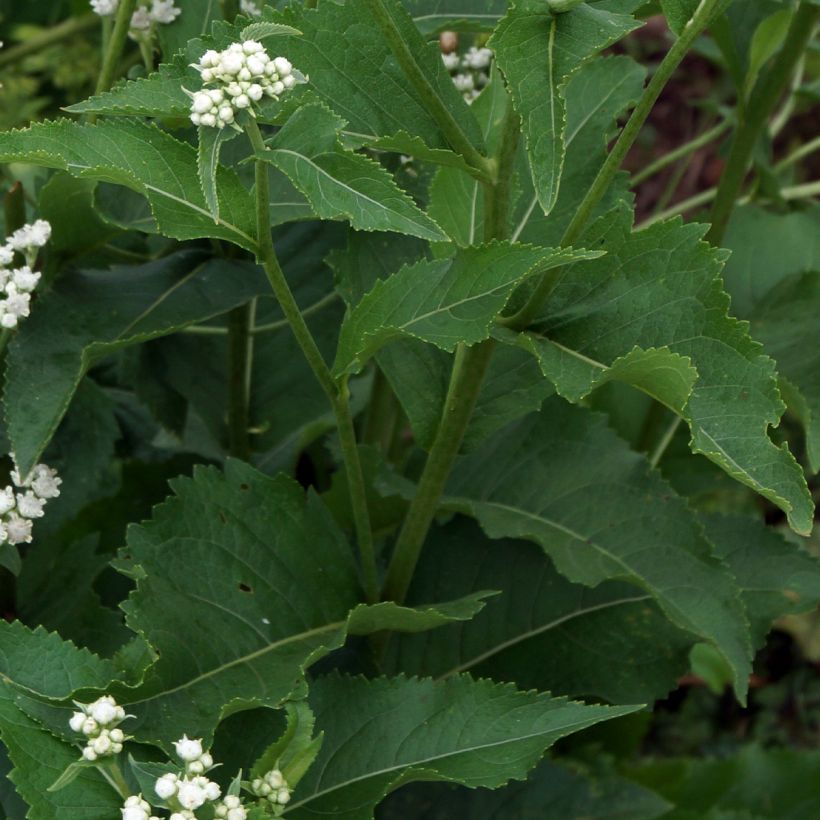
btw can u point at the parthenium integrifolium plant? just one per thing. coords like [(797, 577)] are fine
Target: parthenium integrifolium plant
[(471, 461)]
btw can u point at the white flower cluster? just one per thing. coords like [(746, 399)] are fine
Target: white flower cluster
[(250, 8), (98, 721), (230, 809), (272, 786), (242, 74), (135, 808), (18, 509), (470, 71), (144, 18), (18, 283)]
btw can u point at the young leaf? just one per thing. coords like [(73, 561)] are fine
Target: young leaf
[(538, 52), (660, 287), (147, 160), (340, 184), (561, 478), (258, 583), (295, 751), (70, 331), (210, 141), (263, 28), (478, 733), (443, 302), (39, 760)]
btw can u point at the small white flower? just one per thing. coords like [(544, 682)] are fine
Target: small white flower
[(188, 749), (4, 533), (166, 786), (104, 8), (14, 307), (283, 66), (18, 530), (46, 484), (117, 735), (283, 797), (451, 61), (464, 82), (76, 722), (31, 236), (478, 58), (164, 11), (6, 254), (25, 279), (7, 500), (275, 779), (89, 754), (190, 794), (29, 505), (102, 744), (135, 808), (104, 710), (250, 8)]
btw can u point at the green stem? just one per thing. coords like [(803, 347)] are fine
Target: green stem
[(469, 369), (680, 153), (665, 441), (457, 139), (337, 395), (240, 357), (116, 45), (799, 153), (147, 54), (693, 29), (112, 772), (762, 100), (382, 414), (68, 28)]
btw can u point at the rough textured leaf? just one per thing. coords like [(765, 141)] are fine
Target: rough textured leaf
[(660, 287), (39, 759), (444, 302), (530, 634), (538, 52), (147, 160), (262, 29), (93, 313), (353, 71), (340, 184), (433, 16), (474, 732), (210, 141), (561, 478), (221, 561)]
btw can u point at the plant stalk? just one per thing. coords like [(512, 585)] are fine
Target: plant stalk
[(457, 139), (761, 103), (696, 25), (116, 45), (337, 394), (240, 357), (49, 37)]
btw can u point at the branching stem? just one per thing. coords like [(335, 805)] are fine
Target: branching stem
[(116, 45)]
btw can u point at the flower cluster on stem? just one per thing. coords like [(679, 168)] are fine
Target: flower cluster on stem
[(135, 808), (250, 8), (272, 787), (145, 18), (19, 508), (239, 76), (18, 281), (470, 71), (99, 723)]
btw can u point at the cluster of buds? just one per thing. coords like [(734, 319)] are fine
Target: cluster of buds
[(191, 753), (273, 787), (470, 71), (18, 283), (19, 509), (242, 75), (99, 722), (135, 808), (145, 17), (230, 808), (250, 8)]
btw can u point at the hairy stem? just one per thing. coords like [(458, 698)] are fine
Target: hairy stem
[(240, 357), (458, 140), (116, 45), (762, 101), (64, 31), (699, 21), (338, 396), (382, 414)]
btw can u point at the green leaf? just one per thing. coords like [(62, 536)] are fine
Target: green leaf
[(210, 141), (263, 28), (195, 20), (147, 160), (766, 42), (679, 12), (538, 52), (340, 184), (530, 633), (443, 302), (478, 733), (433, 16), (90, 314), (42, 664), (39, 759), (295, 741), (561, 478), (258, 583), (354, 72), (660, 287)]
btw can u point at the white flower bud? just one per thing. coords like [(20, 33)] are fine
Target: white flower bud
[(255, 92), (195, 767), (244, 75), (90, 727), (283, 66), (283, 797), (6, 255), (7, 500), (289, 81), (117, 735), (217, 95), (277, 88), (209, 59), (188, 749), (202, 102), (206, 760), (232, 63), (166, 786), (208, 75), (46, 484), (242, 101), (29, 506), (18, 529), (103, 710), (252, 47), (102, 744), (25, 280), (89, 754), (212, 790), (208, 120), (255, 66), (76, 722), (190, 795)]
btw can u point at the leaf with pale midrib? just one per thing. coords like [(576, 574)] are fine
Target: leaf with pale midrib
[(478, 733), (433, 16), (563, 479), (90, 314)]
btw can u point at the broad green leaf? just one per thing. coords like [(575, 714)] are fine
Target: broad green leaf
[(90, 314), (42, 664), (776, 577), (561, 478), (443, 302), (530, 633), (538, 52), (147, 160), (602, 90), (340, 184), (666, 376), (296, 739), (433, 16), (222, 561), (354, 72), (209, 144), (39, 759), (555, 790), (660, 287), (473, 732)]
